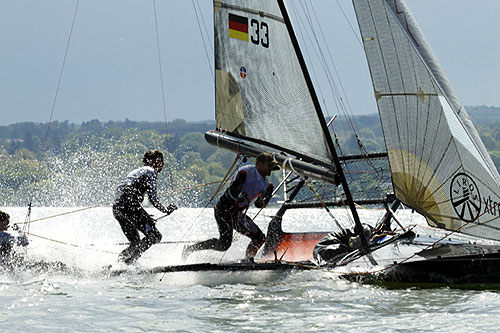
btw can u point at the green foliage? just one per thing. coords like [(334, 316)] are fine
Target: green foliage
[(195, 142), (488, 139), (82, 164)]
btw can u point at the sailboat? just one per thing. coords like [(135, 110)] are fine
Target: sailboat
[(266, 101)]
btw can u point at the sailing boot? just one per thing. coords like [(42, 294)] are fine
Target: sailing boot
[(130, 254)]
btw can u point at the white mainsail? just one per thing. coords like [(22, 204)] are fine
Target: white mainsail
[(439, 165), (261, 92)]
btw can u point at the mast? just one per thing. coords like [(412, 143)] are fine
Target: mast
[(336, 162)]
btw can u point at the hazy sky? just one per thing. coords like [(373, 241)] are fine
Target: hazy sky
[(112, 70)]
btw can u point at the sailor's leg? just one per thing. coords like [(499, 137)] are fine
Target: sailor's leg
[(128, 221), (247, 227), (127, 218), (151, 236), (224, 222)]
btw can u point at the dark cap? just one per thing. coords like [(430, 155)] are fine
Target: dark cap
[(269, 159)]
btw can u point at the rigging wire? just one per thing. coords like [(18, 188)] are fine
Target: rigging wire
[(203, 39), (350, 25), (161, 72), (333, 87), (312, 69), (206, 31), (324, 205), (335, 90), (347, 109), (348, 112), (162, 87), (26, 226)]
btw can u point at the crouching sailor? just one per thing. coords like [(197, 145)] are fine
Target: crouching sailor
[(128, 210), (249, 183), (8, 256)]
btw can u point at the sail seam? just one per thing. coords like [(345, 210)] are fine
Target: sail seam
[(427, 116), (386, 73)]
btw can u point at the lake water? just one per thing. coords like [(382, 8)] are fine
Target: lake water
[(89, 299)]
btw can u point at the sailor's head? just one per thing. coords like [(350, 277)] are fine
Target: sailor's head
[(4, 220), (154, 159), (266, 163)]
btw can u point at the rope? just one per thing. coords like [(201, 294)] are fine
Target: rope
[(162, 88), (28, 215), (226, 178), (69, 244), (161, 71), (106, 204), (322, 202), (62, 214), (203, 38), (90, 246), (274, 192)]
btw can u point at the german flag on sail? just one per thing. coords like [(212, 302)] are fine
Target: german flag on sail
[(238, 27)]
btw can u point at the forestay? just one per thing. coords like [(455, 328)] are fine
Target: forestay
[(261, 91), (438, 163)]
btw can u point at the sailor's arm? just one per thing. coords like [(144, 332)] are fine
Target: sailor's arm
[(234, 193), (154, 199), (264, 197)]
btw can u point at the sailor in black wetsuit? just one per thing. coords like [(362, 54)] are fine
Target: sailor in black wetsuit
[(249, 183), (128, 210)]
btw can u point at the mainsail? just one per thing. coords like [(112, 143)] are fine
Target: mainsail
[(261, 92), (439, 165)]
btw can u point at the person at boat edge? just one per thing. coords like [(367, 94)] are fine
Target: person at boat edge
[(128, 209), (8, 255), (249, 184)]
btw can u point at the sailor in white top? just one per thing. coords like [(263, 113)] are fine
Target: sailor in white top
[(128, 210)]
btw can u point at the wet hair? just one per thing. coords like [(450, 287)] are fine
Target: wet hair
[(151, 155), (4, 216)]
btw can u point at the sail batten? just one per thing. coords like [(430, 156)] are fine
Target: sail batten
[(438, 163)]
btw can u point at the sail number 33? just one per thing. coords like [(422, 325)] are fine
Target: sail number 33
[(260, 33)]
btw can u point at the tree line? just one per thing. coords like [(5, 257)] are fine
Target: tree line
[(80, 164)]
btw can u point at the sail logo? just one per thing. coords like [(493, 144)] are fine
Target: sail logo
[(238, 27), (491, 207), (243, 72), (465, 197)]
